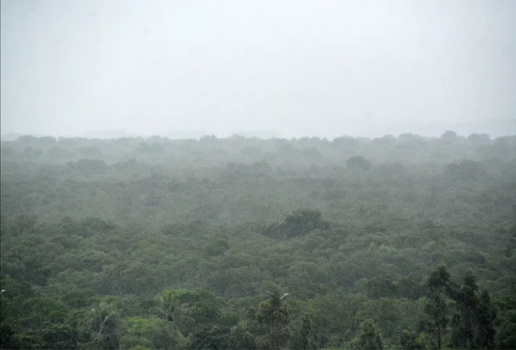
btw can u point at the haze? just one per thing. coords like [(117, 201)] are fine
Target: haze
[(318, 68)]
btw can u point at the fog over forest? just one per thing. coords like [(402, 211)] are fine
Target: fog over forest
[(258, 175)]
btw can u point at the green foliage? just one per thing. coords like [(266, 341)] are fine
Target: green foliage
[(469, 312), (272, 323), (103, 324), (439, 288), (506, 336), (473, 326), (211, 338), (300, 222), (304, 338), (241, 338), (217, 247), (156, 243), (369, 337), (413, 341)]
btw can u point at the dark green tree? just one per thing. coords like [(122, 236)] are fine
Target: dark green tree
[(103, 324), (440, 287), (487, 318), (506, 337), (369, 337), (304, 337), (464, 328), (273, 323), (210, 338), (300, 222), (241, 338), (408, 340), (473, 324)]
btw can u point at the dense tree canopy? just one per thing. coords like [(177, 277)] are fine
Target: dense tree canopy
[(241, 243)]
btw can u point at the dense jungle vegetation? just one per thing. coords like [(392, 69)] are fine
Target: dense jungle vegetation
[(239, 243)]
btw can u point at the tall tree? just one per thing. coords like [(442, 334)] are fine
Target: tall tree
[(304, 338), (506, 335), (440, 287), (103, 324), (273, 323), (369, 337), (486, 322), (473, 324)]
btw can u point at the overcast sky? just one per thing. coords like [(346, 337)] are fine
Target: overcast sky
[(297, 67)]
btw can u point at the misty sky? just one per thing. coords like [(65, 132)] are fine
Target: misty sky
[(298, 67)]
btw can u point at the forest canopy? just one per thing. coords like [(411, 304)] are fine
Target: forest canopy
[(242, 243)]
